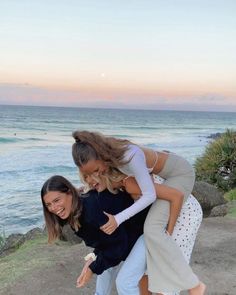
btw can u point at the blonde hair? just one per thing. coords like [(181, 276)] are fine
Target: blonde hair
[(96, 146), (112, 176), (86, 187)]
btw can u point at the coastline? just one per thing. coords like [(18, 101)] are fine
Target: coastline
[(44, 136)]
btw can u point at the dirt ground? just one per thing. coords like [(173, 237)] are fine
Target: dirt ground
[(39, 269)]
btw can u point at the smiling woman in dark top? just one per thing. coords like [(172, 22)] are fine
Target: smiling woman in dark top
[(62, 203)]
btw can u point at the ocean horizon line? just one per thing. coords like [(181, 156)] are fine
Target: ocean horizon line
[(126, 108)]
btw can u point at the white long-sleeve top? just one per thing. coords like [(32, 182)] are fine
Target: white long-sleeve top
[(137, 168)]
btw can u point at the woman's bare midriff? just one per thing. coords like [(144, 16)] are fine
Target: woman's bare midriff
[(151, 157)]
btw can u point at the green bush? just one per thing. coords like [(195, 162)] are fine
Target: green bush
[(218, 163), (231, 195)]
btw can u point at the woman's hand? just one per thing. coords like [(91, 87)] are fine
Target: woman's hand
[(110, 226), (85, 276), (169, 230)]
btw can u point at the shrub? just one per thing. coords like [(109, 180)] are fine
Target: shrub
[(218, 163), (231, 195)]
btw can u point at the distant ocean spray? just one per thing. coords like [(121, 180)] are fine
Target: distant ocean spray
[(35, 143)]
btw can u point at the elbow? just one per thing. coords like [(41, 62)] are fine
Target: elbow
[(149, 199)]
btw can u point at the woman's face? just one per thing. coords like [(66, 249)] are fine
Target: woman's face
[(97, 183), (58, 203), (93, 172)]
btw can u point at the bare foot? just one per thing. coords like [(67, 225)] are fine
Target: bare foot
[(199, 290)]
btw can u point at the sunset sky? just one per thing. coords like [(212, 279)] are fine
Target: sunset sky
[(162, 54)]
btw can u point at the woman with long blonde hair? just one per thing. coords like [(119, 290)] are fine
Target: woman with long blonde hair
[(96, 154), (184, 233)]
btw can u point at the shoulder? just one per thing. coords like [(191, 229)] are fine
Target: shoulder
[(107, 196), (114, 203), (133, 151), (88, 198)]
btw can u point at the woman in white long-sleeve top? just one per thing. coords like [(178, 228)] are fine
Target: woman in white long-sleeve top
[(130, 279), (96, 154)]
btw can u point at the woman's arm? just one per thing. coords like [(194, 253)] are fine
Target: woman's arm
[(163, 192), (136, 167)]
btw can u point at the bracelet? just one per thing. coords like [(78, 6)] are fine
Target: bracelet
[(90, 256)]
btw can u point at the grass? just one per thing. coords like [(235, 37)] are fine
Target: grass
[(19, 263), (232, 212), (231, 195), (33, 254)]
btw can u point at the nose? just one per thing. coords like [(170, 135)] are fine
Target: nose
[(53, 207)]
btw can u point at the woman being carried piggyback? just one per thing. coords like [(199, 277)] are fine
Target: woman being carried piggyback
[(96, 155)]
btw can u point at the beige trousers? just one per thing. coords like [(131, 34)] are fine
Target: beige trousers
[(167, 269)]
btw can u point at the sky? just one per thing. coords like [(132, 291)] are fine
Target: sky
[(162, 54)]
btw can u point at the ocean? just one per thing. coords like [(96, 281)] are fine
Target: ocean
[(35, 143)]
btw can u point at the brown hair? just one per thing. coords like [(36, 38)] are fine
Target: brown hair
[(53, 223), (96, 146)]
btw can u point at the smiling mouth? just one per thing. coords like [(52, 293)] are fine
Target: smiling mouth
[(60, 213), (96, 186)]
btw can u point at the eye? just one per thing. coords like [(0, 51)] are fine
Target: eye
[(85, 177)]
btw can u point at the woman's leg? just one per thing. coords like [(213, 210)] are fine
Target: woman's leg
[(143, 286), (187, 226), (132, 270), (106, 280), (186, 229), (167, 269), (184, 234)]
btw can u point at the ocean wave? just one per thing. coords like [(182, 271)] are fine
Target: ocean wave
[(39, 170), (9, 139), (17, 139), (54, 169), (35, 139)]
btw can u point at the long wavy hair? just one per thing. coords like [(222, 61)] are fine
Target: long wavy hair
[(54, 223), (96, 146)]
